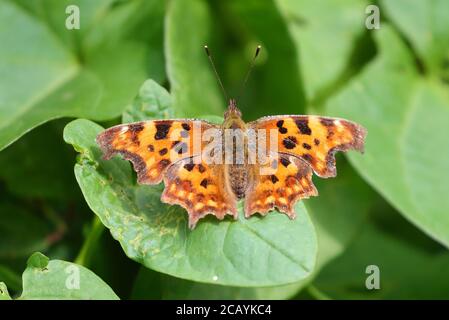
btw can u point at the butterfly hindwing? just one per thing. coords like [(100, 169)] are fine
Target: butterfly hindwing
[(200, 189), (314, 139), (286, 180)]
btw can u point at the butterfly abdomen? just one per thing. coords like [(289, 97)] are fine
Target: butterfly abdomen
[(238, 178)]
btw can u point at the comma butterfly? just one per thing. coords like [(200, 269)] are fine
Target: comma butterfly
[(207, 168)]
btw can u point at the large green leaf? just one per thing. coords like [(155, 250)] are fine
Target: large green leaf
[(324, 35), (43, 79), (426, 25), (407, 118), (193, 87), (56, 279)]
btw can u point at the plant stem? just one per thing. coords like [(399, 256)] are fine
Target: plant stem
[(90, 244)]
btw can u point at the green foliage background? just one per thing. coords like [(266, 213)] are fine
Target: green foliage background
[(136, 59)]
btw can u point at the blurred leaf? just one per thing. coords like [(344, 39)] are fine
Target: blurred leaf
[(407, 118), (193, 86), (56, 279), (426, 25), (10, 278), (22, 231), (44, 149), (157, 236), (406, 271), (275, 84), (43, 80), (136, 21), (324, 37), (4, 295)]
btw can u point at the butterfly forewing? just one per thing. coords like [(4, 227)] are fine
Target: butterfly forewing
[(314, 139), (152, 146)]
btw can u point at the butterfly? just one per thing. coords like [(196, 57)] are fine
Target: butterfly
[(212, 182)]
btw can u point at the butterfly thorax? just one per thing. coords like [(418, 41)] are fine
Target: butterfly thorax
[(235, 130)]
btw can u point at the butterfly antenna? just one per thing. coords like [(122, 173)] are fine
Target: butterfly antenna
[(209, 55), (251, 66)]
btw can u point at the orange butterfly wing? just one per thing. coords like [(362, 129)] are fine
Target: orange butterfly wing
[(314, 139), (162, 150), (307, 142)]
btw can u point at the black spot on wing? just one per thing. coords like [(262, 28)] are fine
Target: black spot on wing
[(204, 183), (290, 142), (163, 151), (285, 162), (280, 124), (162, 129), (306, 146), (303, 126)]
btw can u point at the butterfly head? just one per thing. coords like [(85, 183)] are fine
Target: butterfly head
[(232, 111), (233, 116)]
